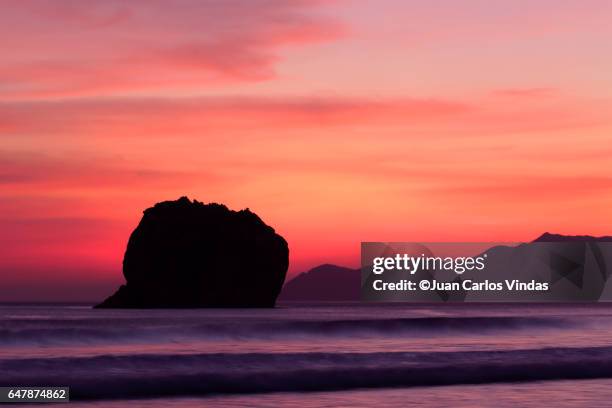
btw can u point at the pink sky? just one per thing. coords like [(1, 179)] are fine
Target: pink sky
[(335, 121)]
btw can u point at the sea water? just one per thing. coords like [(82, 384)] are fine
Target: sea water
[(317, 354)]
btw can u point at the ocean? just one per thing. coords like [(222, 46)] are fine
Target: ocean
[(316, 354)]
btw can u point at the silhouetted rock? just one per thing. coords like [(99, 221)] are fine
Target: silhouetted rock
[(325, 283), (190, 254)]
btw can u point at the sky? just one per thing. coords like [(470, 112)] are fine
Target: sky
[(335, 121)]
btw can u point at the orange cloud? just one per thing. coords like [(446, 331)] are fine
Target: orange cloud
[(525, 92), (206, 116), (31, 171), (150, 116)]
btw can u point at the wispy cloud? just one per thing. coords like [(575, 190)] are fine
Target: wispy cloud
[(67, 48)]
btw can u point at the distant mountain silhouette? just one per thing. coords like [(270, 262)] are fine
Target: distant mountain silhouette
[(326, 283), (336, 283), (547, 237), (189, 254), (577, 268)]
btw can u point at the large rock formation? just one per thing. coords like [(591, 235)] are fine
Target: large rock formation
[(190, 254)]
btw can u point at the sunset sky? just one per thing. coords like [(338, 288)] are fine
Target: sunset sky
[(335, 121)]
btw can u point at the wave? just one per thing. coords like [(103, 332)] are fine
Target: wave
[(70, 332), (60, 331), (149, 376), (437, 323)]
